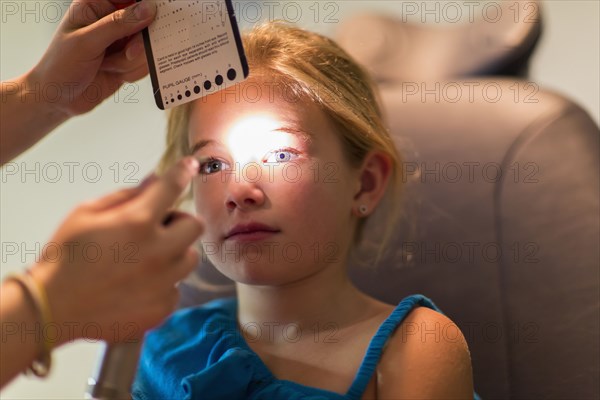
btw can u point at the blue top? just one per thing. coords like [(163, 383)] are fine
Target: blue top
[(199, 353)]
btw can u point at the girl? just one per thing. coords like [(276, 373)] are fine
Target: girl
[(292, 163)]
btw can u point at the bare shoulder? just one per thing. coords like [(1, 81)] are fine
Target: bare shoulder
[(427, 357)]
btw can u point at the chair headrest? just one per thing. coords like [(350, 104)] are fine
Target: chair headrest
[(495, 40)]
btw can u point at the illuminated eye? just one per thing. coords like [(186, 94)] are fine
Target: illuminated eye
[(280, 156), (212, 166)]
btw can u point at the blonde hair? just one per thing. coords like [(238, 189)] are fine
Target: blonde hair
[(312, 67)]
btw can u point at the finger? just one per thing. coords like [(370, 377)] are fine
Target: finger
[(182, 231), (160, 283), (114, 199), (182, 269), (119, 197), (148, 180), (161, 194), (136, 75), (85, 12), (159, 306), (172, 215), (135, 48), (119, 24), (119, 63), (122, 3), (128, 59)]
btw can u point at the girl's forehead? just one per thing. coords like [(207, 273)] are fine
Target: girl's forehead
[(251, 98), (222, 112), (251, 130)]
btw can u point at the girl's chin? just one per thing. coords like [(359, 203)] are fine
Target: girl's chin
[(259, 274)]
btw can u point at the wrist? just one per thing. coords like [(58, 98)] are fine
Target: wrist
[(26, 114), (36, 318), (14, 296), (64, 327), (42, 97)]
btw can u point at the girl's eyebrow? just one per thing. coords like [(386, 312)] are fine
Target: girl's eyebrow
[(307, 137), (287, 129), (200, 144)]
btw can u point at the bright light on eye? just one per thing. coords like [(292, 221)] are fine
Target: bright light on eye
[(250, 137)]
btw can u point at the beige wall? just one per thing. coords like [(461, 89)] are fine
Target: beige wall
[(123, 139)]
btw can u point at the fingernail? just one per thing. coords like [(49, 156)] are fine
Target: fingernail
[(134, 50), (193, 165), (144, 9)]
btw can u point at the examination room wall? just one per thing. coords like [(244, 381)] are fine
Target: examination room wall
[(118, 143)]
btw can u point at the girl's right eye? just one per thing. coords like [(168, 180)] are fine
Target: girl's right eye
[(211, 166)]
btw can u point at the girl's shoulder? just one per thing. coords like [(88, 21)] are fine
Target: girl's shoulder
[(425, 340)]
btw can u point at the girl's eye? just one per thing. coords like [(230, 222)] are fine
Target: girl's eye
[(211, 166), (282, 155)]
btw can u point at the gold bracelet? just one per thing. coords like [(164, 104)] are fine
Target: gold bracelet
[(36, 292)]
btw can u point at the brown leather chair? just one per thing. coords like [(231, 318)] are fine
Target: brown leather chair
[(501, 231), (501, 215)]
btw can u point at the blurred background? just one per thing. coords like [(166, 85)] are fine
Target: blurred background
[(121, 141)]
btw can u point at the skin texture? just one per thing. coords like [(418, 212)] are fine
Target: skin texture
[(314, 214), (427, 358)]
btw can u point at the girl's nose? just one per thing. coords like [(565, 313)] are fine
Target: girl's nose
[(244, 195)]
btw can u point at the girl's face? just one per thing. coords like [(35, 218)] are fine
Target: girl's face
[(274, 187)]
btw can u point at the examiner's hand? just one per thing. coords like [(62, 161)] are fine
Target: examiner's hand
[(77, 59), (111, 268)]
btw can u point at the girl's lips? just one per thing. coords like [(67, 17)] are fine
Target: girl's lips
[(250, 232), (253, 236)]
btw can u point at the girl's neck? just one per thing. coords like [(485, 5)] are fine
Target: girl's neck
[(325, 298)]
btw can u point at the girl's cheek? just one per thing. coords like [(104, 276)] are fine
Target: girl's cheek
[(204, 185), (204, 201)]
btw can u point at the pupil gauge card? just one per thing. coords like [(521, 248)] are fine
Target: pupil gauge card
[(194, 49)]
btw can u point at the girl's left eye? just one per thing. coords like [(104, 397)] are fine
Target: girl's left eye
[(281, 155), (211, 166)]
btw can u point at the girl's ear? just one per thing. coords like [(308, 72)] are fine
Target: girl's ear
[(373, 178)]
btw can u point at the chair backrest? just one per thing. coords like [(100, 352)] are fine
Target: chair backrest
[(502, 186), (494, 38), (501, 231)]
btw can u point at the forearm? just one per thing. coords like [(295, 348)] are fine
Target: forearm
[(21, 333), (27, 114)]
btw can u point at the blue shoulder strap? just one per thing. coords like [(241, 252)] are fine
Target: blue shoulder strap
[(371, 359), (369, 363)]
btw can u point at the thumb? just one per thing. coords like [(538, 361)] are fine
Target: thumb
[(120, 24)]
